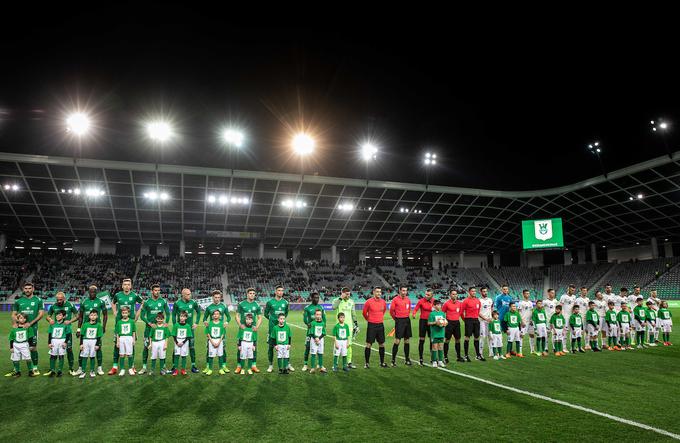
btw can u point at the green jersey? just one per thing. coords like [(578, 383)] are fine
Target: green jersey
[(557, 321), (592, 318), (575, 321), (21, 335), (182, 331), (67, 309), (221, 308), (495, 327), (640, 314), (273, 309), (538, 317), (88, 305), (130, 300), (125, 327), (513, 319), (190, 307), (341, 332), (150, 309), (160, 333), (436, 331), (248, 307), (309, 312), (623, 317), (651, 314), (59, 330), (317, 329), (347, 308), (91, 331), (610, 317), (247, 334), (664, 314), (215, 330), (30, 307), (281, 334)]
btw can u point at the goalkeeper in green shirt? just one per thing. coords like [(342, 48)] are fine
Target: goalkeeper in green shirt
[(344, 304)]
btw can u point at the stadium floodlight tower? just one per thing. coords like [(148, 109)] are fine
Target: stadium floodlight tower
[(661, 127), (595, 148), (78, 125), (369, 152), (303, 144), (430, 160)]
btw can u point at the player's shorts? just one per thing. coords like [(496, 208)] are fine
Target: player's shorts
[(603, 324), (624, 329), (375, 332), (340, 349), (541, 330), (436, 340), (514, 334), (666, 325), (612, 330), (558, 335), (247, 349), (576, 332), (58, 347), (89, 345), (483, 328), (592, 330), (215, 351), (472, 327), (126, 345), (21, 351), (638, 326), (183, 349), (452, 329), (659, 322), (158, 350), (402, 328), (317, 348), (496, 340), (283, 351), (423, 328), (651, 326)]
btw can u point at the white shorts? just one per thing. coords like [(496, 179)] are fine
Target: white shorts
[(576, 332), (527, 329), (215, 351), (315, 348), (612, 330), (496, 340), (638, 326), (183, 349), (283, 351), (20, 351), (624, 329), (603, 324), (659, 323), (89, 345), (558, 335), (247, 349), (158, 350), (651, 326), (514, 334), (666, 325), (592, 330), (126, 345), (340, 348), (58, 347), (541, 330), (483, 328)]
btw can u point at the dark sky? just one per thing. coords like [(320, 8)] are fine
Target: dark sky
[(505, 104)]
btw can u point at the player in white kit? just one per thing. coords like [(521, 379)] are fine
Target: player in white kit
[(655, 304), (485, 311), (567, 301), (526, 309), (601, 309), (582, 302), (549, 305)]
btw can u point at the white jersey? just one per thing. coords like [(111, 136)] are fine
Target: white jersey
[(549, 306), (656, 302), (612, 298), (485, 307), (620, 300), (582, 303), (567, 302), (600, 307), (526, 308)]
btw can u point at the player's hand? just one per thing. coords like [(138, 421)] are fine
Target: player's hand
[(96, 348), (153, 325), (205, 323), (50, 346), (242, 326), (255, 328), (63, 345), (337, 346), (67, 322), (239, 348), (50, 321), (194, 326), (276, 347), (82, 348)]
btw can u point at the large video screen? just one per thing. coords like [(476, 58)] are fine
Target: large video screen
[(541, 234)]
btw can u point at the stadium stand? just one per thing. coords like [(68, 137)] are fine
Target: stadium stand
[(519, 278), (580, 275), (667, 285), (641, 272)]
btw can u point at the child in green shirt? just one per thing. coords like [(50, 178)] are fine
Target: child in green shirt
[(576, 328), (540, 326), (126, 335), (496, 331), (215, 333), (593, 326), (58, 336), (612, 324), (317, 332), (437, 323), (247, 341), (514, 321), (640, 323), (557, 323), (652, 330), (18, 346), (90, 342), (282, 338), (182, 332), (666, 320), (159, 344), (624, 327), (341, 333)]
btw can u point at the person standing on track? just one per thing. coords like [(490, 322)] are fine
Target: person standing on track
[(374, 313), (344, 304), (425, 305), (470, 314), (400, 310)]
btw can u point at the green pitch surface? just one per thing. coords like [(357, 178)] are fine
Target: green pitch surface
[(414, 403)]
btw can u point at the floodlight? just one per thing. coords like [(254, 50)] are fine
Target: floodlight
[(303, 144), (78, 123)]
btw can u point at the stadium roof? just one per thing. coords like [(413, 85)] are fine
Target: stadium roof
[(439, 218)]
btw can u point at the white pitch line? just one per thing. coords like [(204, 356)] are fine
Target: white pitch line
[(540, 397)]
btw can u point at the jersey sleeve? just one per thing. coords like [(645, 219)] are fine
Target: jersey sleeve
[(227, 315)]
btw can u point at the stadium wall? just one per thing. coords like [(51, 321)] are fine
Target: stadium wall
[(627, 254)]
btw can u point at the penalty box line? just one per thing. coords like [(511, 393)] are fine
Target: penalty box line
[(537, 396)]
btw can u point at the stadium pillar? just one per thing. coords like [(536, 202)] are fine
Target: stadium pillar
[(581, 256), (567, 257), (496, 260), (668, 248), (260, 251), (97, 245), (182, 248), (461, 259), (335, 259), (593, 253), (655, 248), (400, 257), (523, 262), (3, 242)]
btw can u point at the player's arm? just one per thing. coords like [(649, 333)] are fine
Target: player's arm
[(238, 319), (50, 313), (166, 310), (335, 304), (197, 309), (267, 309), (205, 316), (138, 312), (365, 310), (392, 309), (418, 306), (259, 321), (227, 315)]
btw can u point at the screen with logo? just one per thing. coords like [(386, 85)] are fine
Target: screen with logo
[(539, 234)]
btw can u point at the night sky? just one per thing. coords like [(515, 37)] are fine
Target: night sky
[(505, 105)]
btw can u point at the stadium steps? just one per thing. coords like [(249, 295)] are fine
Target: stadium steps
[(380, 278), (490, 279)]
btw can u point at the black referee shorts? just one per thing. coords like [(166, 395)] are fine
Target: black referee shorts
[(452, 329), (472, 327), (423, 328), (375, 332), (402, 328)]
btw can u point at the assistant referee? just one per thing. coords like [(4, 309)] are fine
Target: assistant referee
[(400, 309), (470, 314), (374, 313)]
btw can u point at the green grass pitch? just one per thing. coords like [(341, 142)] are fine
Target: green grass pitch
[(416, 403)]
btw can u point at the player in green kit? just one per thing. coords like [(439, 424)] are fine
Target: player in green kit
[(593, 326), (307, 317), (246, 342), (68, 311), (126, 335), (215, 333), (342, 335), (640, 323), (225, 316), (666, 319), (19, 346), (513, 319), (344, 304), (437, 323), (159, 344), (90, 340), (92, 303), (186, 304), (125, 297), (272, 309), (496, 336), (249, 306), (652, 329), (282, 337), (317, 334), (182, 333), (539, 320), (624, 327), (557, 323), (576, 327), (32, 308), (58, 335), (612, 323), (150, 309)]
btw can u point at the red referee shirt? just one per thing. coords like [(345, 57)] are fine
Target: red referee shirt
[(470, 308), (400, 307), (425, 307), (452, 309), (374, 310)]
